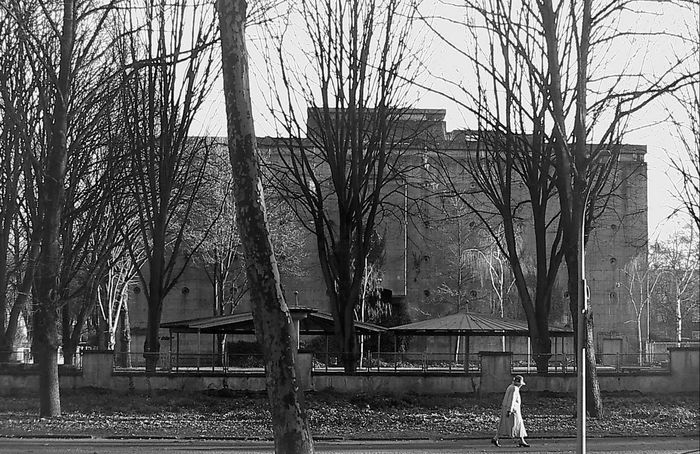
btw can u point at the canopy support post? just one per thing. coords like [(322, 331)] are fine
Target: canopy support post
[(170, 348), (177, 354), (466, 354)]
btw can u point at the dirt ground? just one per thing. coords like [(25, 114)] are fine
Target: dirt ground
[(224, 414)]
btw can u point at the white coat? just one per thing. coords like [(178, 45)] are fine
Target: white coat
[(511, 423)]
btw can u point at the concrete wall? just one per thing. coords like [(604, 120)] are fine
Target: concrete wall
[(684, 376), (420, 257), (398, 384)]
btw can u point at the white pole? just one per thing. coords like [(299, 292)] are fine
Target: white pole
[(581, 336), (405, 239)]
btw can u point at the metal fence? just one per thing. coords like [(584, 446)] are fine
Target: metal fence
[(438, 362), (401, 362), (605, 363), (21, 356), (558, 363), (24, 356), (189, 362), (629, 362)]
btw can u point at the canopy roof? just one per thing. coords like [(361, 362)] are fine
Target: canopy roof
[(474, 324), (311, 322)]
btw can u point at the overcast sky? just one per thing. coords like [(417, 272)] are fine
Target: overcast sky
[(647, 128)]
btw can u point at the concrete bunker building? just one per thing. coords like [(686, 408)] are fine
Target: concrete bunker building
[(423, 250)]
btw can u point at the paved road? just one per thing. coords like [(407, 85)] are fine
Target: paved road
[(111, 446)]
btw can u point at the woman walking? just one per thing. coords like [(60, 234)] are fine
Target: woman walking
[(511, 423)]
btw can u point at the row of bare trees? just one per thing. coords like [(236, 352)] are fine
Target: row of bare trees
[(98, 102), (54, 96), (663, 289), (547, 143), (536, 120), (102, 178)]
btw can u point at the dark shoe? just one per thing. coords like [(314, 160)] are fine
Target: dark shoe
[(522, 444), (495, 443)]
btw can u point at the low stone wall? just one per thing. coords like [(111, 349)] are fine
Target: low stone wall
[(495, 375), (186, 382), (390, 383)]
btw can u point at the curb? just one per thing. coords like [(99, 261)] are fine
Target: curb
[(327, 439)]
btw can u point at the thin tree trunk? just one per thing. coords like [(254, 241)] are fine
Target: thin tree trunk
[(348, 337), (7, 340), (594, 400), (125, 337), (68, 351), (571, 168), (46, 302), (640, 345), (271, 317), (679, 322), (151, 348)]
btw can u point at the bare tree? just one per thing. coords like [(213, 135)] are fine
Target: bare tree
[(339, 174), (578, 36), (62, 46), (20, 129), (675, 265), (686, 120), (273, 326), (509, 158), (459, 237), (92, 227), (667, 280), (638, 281), (168, 69), (112, 294), (220, 255)]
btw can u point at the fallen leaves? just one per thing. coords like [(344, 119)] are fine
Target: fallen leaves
[(245, 415)]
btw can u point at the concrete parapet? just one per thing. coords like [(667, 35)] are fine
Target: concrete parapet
[(97, 368), (304, 365), (495, 371), (685, 368), (683, 376), (380, 383)]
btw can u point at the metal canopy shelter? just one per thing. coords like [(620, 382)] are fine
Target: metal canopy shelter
[(473, 324), (477, 325), (311, 322), (307, 321)]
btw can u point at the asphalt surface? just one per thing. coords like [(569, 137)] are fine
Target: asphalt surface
[(649, 445)]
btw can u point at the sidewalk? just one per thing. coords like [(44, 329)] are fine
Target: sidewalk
[(612, 445)]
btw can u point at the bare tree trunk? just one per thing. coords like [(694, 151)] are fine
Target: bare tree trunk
[(102, 334), (349, 339), (271, 317), (7, 340), (221, 349), (640, 341), (124, 338), (571, 168), (68, 350), (679, 322), (45, 346), (151, 347), (594, 400), (46, 302)]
